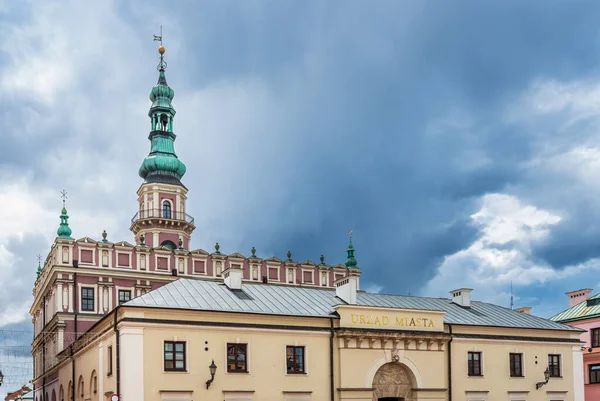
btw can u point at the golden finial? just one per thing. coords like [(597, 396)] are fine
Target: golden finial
[(161, 48)]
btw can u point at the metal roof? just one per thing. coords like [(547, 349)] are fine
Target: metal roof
[(316, 302), (578, 312)]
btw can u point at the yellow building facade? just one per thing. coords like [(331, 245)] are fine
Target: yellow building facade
[(269, 342)]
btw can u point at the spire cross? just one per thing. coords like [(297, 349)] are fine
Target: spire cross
[(63, 195), (39, 258), (350, 234)]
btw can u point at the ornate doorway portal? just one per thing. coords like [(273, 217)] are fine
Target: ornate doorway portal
[(393, 382)]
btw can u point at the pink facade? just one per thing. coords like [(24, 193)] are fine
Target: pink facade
[(590, 358)]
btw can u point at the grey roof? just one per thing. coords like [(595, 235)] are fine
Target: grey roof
[(316, 302)]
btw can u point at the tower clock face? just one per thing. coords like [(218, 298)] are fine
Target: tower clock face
[(114, 397)]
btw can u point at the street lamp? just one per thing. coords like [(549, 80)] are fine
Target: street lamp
[(546, 377), (1, 378), (213, 370)]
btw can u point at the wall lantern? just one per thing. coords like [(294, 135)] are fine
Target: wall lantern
[(546, 377), (213, 370), (1, 378)]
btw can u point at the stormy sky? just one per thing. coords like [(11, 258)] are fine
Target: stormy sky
[(459, 140)]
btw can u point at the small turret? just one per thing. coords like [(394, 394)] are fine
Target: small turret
[(64, 231), (351, 261)]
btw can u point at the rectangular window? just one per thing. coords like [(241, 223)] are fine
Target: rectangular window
[(474, 364), (123, 259), (516, 365), (594, 374), (124, 296), (295, 359), (198, 266), (554, 365), (109, 369), (174, 356), (236, 358), (87, 299), (595, 338), (87, 256)]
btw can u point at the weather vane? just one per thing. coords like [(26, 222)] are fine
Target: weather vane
[(39, 258), (63, 195), (161, 49), (159, 38)]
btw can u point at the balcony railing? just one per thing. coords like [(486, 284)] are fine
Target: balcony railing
[(164, 214)]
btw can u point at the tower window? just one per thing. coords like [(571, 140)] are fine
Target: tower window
[(166, 210), (87, 299)]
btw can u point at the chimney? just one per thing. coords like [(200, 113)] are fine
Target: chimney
[(526, 310), (346, 287), (578, 296), (462, 297), (233, 277)]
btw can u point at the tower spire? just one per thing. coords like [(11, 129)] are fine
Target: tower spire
[(162, 164), (39, 268), (64, 231), (350, 261)]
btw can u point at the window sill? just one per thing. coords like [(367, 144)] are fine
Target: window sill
[(475, 376), (175, 371), (297, 373), (517, 377), (238, 371)]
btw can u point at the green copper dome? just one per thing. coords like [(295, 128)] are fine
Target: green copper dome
[(162, 164), (351, 261), (64, 231)]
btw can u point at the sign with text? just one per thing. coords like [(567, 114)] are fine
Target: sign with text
[(390, 319)]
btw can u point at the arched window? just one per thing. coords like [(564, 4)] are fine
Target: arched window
[(61, 393), (93, 383), (166, 209), (169, 244), (80, 388), (53, 395)]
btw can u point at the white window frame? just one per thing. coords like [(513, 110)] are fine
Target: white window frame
[(238, 341), (562, 373), (194, 272), (156, 269), (312, 272), (278, 268), (80, 297), (123, 266), (130, 289), (93, 262), (517, 351), (296, 344), (187, 354), (481, 363)]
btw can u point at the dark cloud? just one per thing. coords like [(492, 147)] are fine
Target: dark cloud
[(387, 119)]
